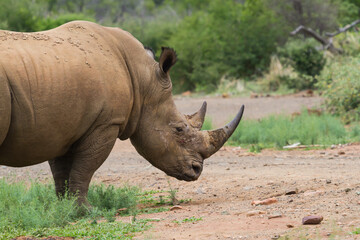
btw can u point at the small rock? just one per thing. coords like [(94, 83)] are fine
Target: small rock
[(291, 191), (322, 153), (313, 193), (341, 152), (358, 193), (312, 220), (335, 155), (253, 213), (264, 202), (275, 215), (227, 168), (3, 167), (328, 181), (176, 207), (246, 188), (275, 237), (347, 190), (333, 146), (289, 225)]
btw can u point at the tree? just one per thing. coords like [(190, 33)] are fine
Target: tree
[(319, 15)]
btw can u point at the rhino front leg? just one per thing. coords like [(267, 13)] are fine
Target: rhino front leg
[(60, 168), (87, 156)]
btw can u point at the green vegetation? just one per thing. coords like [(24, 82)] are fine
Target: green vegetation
[(307, 129), (189, 220), (207, 125), (34, 210), (341, 88)]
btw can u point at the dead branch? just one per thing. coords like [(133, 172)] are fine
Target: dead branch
[(344, 29), (327, 43)]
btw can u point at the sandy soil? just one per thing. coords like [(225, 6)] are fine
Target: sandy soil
[(325, 182)]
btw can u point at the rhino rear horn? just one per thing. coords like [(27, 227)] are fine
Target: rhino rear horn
[(196, 120), (218, 137)]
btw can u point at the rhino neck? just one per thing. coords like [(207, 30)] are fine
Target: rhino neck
[(134, 65)]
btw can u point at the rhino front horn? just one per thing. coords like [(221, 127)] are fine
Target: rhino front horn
[(196, 120), (216, 138)]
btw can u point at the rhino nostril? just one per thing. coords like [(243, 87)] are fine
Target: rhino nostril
[(196, 168)]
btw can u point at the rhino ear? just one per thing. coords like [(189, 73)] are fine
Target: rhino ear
[(167, 59), (150, 52)]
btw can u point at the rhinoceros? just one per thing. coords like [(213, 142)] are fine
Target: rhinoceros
[(67, 94)]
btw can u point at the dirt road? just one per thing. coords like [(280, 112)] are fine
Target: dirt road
[(323, 182)]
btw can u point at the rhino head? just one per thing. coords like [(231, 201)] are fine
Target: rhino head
[(169, 140)]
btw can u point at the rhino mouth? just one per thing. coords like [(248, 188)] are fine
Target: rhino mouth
[(192, 173)]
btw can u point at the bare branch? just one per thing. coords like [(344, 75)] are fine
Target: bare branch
[(310, 32), (344, 29), (327, 43)]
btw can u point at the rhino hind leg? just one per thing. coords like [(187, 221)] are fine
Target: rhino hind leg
[(83, 159)]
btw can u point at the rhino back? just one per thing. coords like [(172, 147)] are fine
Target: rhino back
[(62, 83)]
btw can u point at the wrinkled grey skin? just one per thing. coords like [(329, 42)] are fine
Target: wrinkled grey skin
[(67, 94)]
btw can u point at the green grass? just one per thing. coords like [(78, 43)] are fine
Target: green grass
[(189, 220), (34, 210), (278, 131), (207, 125)]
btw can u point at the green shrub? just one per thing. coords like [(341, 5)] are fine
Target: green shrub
[(340, 86), (108, 198), (227, 38), (279, 76), (305, 60)]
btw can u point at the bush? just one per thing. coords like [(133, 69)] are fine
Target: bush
[(279, 75), (228, 38), (340, 86), (306, 60), (107, 198)]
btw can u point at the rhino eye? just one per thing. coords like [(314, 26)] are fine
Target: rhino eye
[(179, 129)]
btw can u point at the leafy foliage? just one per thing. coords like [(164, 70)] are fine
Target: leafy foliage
[(341, 88), (212, 50), (306, 60)]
